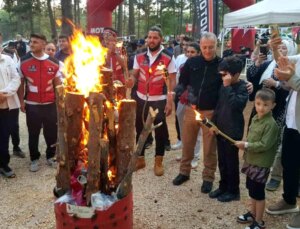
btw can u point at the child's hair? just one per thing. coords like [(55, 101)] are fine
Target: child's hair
[(195, 46), (265, 94), (231, 64)]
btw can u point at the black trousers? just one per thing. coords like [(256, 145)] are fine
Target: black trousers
[(290, 160), (15, 134), (228, 162), (37, 117), (6, 123), (161, 133)]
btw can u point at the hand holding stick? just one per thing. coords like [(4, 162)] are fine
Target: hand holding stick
[(210, 124)]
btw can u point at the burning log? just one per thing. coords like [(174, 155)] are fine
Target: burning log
[(63, 169), (74, 109), (104, 181), (107, 83), (125, 137), (95, 129), (125, 186)]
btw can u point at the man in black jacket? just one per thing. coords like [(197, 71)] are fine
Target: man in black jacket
[(200, 75)]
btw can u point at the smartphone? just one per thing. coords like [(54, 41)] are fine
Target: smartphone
[(263, 50), (274, 31)]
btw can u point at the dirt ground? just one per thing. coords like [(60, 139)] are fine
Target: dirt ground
[(27, 201)]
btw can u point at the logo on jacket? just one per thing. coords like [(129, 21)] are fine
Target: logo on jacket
[(32, 68), (50, 71)]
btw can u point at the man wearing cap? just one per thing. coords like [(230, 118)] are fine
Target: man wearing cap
[(39, 76), (152, 90)]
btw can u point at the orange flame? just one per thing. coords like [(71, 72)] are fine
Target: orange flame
[(198, 115), (82, 67)]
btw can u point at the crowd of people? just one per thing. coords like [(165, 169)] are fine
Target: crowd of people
[(198, 83)]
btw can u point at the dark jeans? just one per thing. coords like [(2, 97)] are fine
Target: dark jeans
[(228, 161), (6, 123), (37, 117), (15, 135), (161, 133), (290, 160)]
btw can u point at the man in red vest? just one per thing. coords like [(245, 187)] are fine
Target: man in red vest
[(153, 90), (114, 60), (39, 76)]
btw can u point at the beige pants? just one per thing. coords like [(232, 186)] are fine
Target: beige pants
[(189, 137)]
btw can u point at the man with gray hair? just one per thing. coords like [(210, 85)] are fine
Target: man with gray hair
[(201, 77)]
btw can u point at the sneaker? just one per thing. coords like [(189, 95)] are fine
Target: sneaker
[(246, 218), (180, 179), (51, 162), (7, 172), (282, 207), (216, 193), (177, 145), (18, 152), (34, 166), (256, 225), (227, 197), (273, 185), (295, 223), (167, 147), (206, 186), (194, 163)]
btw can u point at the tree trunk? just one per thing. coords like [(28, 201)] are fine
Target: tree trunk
[(95, 129), (120, 19), (67, 17), (74, 111), (131, 24), (125, 137), (125, 186), (63, 173), (52, 20)]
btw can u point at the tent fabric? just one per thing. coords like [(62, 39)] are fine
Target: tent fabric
[(265, 12)]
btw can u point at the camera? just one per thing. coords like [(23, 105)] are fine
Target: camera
[(263, 46)]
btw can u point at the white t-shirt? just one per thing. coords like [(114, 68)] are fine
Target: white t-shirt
[(179, 62)]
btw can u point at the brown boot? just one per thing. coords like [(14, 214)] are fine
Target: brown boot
[(140, 163), (158, 166)]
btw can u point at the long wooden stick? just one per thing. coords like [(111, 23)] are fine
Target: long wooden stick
[(209, 124)]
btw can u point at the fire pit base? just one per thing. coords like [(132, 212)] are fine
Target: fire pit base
[(119, 215)]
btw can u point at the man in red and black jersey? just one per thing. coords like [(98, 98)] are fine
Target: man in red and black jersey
[(39, 76), (152, 90)]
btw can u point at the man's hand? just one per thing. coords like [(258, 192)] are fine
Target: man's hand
[(240, 144), (285, 69), (269, 83), (226, 80), (261, 58), (2, 97), (275, 42), (129, 82), (249, 86), (213, 130), (168, 107), (22, 107)]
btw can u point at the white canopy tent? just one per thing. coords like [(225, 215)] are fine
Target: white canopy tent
[(265, 12)]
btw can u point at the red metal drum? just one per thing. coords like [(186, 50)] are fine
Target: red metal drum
[(118, 216)]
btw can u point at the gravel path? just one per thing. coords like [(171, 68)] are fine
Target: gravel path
[(27, 201)]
